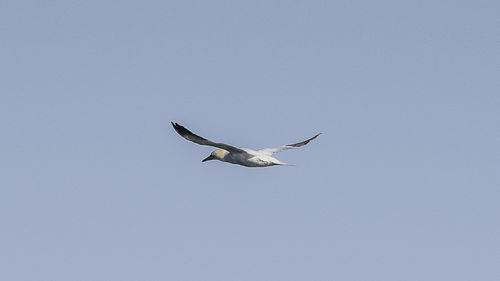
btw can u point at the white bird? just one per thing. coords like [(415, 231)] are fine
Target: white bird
[(241, 156)]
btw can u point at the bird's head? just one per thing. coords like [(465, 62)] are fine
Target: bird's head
[(217, 154)]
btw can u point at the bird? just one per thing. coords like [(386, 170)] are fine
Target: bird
[(240, 156)]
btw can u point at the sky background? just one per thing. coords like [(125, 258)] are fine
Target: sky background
[(403, 184)]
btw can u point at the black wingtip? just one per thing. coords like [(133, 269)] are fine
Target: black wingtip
[(181, 130), (314, 137), (299, 144), (177, 127)]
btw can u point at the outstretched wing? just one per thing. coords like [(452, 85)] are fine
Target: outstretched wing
[(270, 151), (185, 133)]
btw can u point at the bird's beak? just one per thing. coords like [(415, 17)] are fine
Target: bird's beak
[(210, 157)]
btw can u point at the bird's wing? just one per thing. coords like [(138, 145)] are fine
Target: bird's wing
[(185, 133), (270, 151)]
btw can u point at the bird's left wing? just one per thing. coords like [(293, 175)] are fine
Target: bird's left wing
[(185, 133), (270, 151)]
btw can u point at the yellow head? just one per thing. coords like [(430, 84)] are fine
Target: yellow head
[(217, 154)]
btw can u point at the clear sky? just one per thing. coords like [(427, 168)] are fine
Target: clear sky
[(403, 184)]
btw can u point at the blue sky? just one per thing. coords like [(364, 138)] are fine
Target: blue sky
[(403, 184)]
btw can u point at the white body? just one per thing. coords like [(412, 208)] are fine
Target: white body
[(252, 158)]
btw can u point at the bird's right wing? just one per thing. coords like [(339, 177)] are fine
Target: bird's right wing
[(185, 133), (270, 151)]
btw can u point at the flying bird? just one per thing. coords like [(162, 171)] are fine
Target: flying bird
[(240, 156)]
